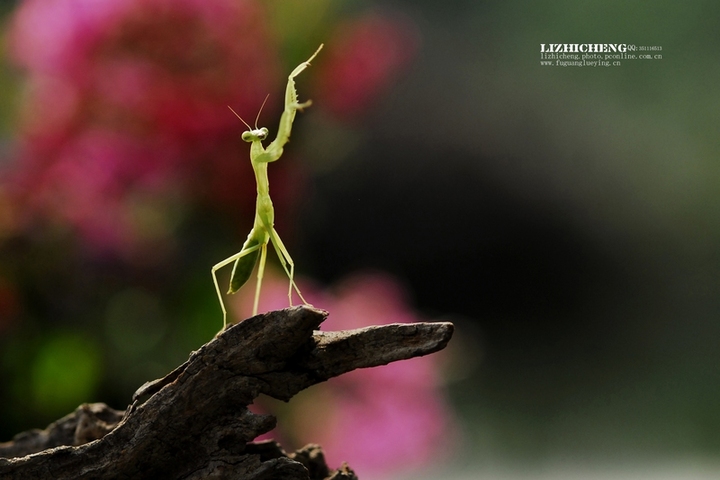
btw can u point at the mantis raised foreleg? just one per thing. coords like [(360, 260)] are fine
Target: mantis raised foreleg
[(263, 231)]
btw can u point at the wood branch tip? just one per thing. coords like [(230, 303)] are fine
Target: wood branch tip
[(446, 330)]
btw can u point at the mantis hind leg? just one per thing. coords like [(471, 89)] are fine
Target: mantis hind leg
[(286, 260), (220, 265)]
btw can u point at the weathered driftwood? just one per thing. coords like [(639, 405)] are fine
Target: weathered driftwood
[(196, 424)]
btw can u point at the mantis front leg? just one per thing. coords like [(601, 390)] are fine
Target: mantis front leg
[(291, 107)]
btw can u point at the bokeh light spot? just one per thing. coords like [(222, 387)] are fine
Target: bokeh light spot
[(65, 373)]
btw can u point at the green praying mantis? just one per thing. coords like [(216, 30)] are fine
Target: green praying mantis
[(263, 232)]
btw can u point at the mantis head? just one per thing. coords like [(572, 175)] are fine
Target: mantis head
[(253, 134)]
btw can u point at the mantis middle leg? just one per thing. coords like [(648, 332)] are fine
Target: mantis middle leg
[(286, 260)]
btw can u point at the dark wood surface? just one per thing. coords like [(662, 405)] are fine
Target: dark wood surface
[(195, 423)]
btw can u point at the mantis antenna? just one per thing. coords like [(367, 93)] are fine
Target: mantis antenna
[(260, 111), (241, 119), (256, 118), (254, 250)]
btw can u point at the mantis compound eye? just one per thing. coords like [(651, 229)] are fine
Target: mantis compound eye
[(257, 134)]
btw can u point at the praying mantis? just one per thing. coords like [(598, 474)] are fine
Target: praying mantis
[(254, 249)]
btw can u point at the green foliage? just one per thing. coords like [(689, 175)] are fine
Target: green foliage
[(65, 372)]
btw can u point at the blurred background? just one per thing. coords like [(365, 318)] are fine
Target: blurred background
[(564, 218)]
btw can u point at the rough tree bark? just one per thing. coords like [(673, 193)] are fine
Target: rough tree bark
[(196, 423)]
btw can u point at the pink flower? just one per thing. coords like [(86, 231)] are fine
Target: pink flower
[(124, 109), (154, 77), (89, 183), (380, 420), (365, 55), (163, 66)]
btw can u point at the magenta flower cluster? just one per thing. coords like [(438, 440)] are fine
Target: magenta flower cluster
[(124, 118), (123, 106)]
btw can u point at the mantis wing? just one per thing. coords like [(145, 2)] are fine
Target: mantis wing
[(244, 266)]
